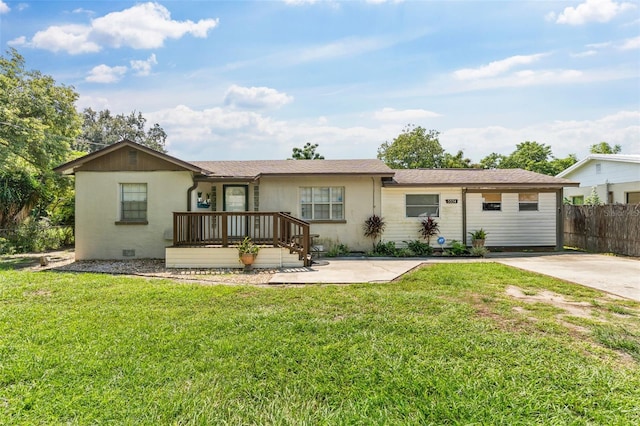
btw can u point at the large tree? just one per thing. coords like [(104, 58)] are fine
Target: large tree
[(604, 148), (307, 152), (414, 148), (38, 123), (528, 155), (102, 128)]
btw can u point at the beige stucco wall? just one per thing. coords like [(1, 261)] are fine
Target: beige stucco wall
[(282, 194), (401, 228), (98, 210)]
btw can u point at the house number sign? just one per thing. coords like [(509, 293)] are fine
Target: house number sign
[(452, 201)]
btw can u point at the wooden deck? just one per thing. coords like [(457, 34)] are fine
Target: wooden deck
[(224, 229)]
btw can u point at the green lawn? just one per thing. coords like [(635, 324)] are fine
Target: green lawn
[(445, 345)]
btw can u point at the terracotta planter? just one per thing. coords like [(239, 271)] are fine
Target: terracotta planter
[(247, 259), (477, 243)]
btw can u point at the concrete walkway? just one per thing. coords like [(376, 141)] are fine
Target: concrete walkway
[(345, 271), (615, 275)]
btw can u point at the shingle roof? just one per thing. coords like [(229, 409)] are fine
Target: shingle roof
[(475, 177), (253, 169)]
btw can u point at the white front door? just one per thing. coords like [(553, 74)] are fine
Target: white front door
[(235, 200)]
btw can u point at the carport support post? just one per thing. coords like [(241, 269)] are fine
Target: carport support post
[(559, 220)]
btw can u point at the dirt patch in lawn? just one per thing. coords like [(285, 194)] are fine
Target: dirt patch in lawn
[(576, 309)]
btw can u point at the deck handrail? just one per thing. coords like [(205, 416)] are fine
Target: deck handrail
[(278, 229)]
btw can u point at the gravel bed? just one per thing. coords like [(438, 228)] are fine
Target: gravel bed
[(64, 261)]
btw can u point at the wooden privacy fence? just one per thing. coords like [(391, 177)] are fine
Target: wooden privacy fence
[(611, 228)]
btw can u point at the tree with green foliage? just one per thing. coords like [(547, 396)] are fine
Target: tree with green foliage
[(457, 161), (38, 124), (102, 128), (604, 148), (593, 199), (533, 156), (308, 152), (414, 148)]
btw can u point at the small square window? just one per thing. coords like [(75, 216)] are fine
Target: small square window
[(492, 202), (528, 201)]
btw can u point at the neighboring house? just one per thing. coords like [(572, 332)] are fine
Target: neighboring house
[(615, 177), (134, 202)]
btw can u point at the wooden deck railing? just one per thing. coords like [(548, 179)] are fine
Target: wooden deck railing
[(276, 229)]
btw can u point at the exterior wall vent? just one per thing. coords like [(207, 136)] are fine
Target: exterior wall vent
[(128, 253)]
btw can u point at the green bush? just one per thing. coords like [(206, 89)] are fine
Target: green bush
[(419, 248), (385, 249), (36, 236), (338, 250), (456, 249)]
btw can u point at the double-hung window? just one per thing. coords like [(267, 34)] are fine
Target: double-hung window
[(322, 203), (422, 205), (133, 202)]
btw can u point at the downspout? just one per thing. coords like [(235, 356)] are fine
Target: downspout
[(373, 195), (189, 191), (464, 215)]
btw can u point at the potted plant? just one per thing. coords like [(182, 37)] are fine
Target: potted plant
[(478, 237), (247, 251)]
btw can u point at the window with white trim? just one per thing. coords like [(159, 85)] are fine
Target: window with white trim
[(528, 201), (422, 205), (492, 201), (133, 202), (322, 203)]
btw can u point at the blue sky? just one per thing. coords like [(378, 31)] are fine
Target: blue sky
[(251, 80)]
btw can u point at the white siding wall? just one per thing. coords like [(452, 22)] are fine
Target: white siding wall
[(401, 228), (511, 227), (98, 210), (612, 171)]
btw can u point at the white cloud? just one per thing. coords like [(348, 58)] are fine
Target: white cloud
[(404, 116), (143, 68), (592, 11), (630, 44), (255, 97), (564, 137), (73, 39), (584, 54), (106, 74), (17, 42), (143, 26), (4, 8), (496, 67)]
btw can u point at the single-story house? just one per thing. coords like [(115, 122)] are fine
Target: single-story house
[(134, 202), (615, 177)]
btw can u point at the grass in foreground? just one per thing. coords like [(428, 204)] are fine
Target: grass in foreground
[(445, 345)]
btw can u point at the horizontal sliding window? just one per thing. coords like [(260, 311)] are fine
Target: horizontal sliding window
[(422, 205)]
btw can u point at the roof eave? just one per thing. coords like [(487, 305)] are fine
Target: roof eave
[(70, 167)]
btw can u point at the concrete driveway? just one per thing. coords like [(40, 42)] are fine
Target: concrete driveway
[(615, 275)]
